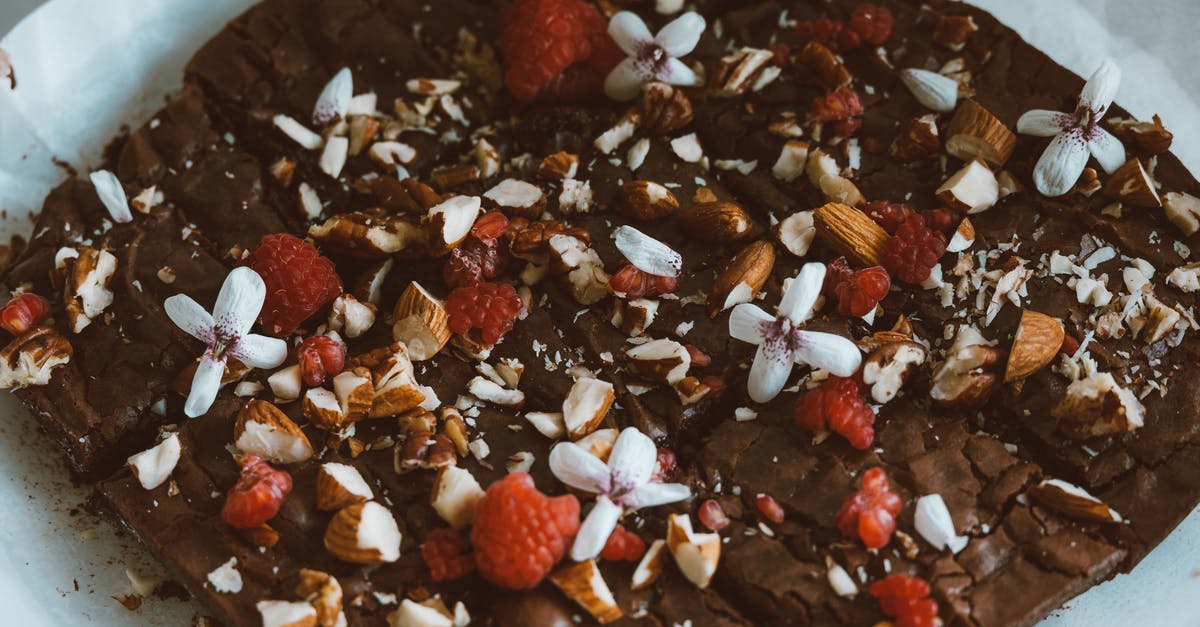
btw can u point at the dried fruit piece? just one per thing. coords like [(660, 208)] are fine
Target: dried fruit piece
[(23, 312), (447, 554), (319, 357), (870, 514), (712, 515), (623, 546), (860, 291), (769, 508), (837, 405), (906, 599), (489, 308), (257, 495), (912, 251), (520, 533), (299, 280)]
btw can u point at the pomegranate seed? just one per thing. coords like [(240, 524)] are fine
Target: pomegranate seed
[(664, 464), (1069, 345), (24, 312), (320, 357), (712, 516), (906, 599), (870, 514), (490, 226), (257, 495), (770, 508)]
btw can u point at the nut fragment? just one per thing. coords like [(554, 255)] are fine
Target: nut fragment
[(582, 582), (793, 157), (413, 614), (696, 554), (1151, 138), (740, 71), (1183, 210), (742, 277), (30, 358), (559, 166), (87, 277), (664, 108), (581, 266), (952, 31), (1035, 344), (646, 200), (324, 593), (1073, 502), (633, 317), (364, 533), (154, 465), (515, 197), (969, 374), (932, 90), (1097, 405), (586, 406), (1132, 184), (827, 66), (851, 232), (823, 172), (340, 485), (973, 189), (974, 133), (264, 430), (455, 495), (889, 366), (449, 222), (396, 389), (350, 316), (651, 566), (717, 221), (421, 322), (366, 234), (287, 614), (918, 140), (797, 232), (663, 360)]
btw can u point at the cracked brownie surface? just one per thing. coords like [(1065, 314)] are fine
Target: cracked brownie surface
[(1049, 499)]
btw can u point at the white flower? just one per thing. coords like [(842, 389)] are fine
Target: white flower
[(1076, 135), (624, 482), (782, 343), (651, 58), (226, 332)]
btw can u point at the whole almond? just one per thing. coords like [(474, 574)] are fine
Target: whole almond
[(851, 232), (646, 200), (742, 278), (1037, 341), (718, 221), (975, 133)]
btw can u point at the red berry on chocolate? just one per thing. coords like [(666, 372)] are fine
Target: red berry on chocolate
[(848, 39), (447, 554), (781, 54), (842, 104), (836, 271), (698, 357), (489, 308), (913, 250), (823, 31), (24, 312), (769, 508), (1069, 345), (837, 405), (859, 293), (555, 49), (886, 214), (906, 599), (475, 260), (664, 464), (942, 219), (257, 495), (300, 281), (870, 514), (633, 283), (490, 226), (520, 533), (623, 546), (712, 515), (872, 22), (320, 357)]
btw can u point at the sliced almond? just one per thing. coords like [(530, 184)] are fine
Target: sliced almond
[(1035, 344), (663, 360), (973, 189), (449, 222), (696, 554), (1073, 502), (516, 197), (851, 233), (153, 466), (974, 133), (487, 390), (583, 584), (364, 533), (421, 322), (718, 221), (340, 485), (455, 495), (264, 430), (742, 278), (586, 406), (646, 200), (1131, 184), (650, 568)]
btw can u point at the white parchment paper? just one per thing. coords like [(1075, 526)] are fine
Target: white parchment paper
[(88, 67)]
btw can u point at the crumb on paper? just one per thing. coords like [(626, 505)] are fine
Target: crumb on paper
[(6, 69)]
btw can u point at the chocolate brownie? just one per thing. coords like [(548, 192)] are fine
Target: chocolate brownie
[(1023, 392)]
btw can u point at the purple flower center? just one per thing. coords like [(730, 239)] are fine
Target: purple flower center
[(781, 337), (652, 59)]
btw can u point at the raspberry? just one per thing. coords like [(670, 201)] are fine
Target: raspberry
[(623, 545), (859, 292), (907, 600), (299, 281), (872, 22), (320, 356), (634, 283), (555, 49), (769, 508), (942, 220), (447, 554), (520, 533), (836, 271), (24, 312), (823, 31), (475, 260), (712, 515), (488, 307), (838, 406), (841, 104), (664, 464), (870, 514), (913, 250), (848, 39), (886, 214), (257, 495)]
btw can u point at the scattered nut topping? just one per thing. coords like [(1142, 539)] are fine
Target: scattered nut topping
[(969, 374), (396, 389), (584, 270), (973, 189), (793, 158), (624, 129), (664, 109), (797, 232), (1035, 344), (586, 406), (1073, 502), (887, 368), (933, 522), (747, 69), (559, 166), (716, 221), (324, 593), (918, 140), (651, 565), (264, 430), (298, 132), (449, 222), (366, 234), (287, 614), (516, 197), (646, 200), (742, 277), (364, 533), (1183, 210), (851, 232), (1131, 184), (663, 360), (696, 554), (421, 322), (339, 485), (153, 466), (1151, 138), (974, 133), (31, 357), (87, 293), (932, 90), (1097, 405), (455, 495)]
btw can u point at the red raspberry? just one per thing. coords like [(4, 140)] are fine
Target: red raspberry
[(848, 39), (872, 22), (887, 214), (475, 260), (447, 554), (942, 220), (838, 406), (320, 356), (299, 281), (841, 104), (664, 464), (870, 514), (634, 283), (623, 545), (712, 515), (823, 31), (555, 49), (24, 312), (520, 533), (836, 271), (489, 307), (257, 495), (913, 250), (769, 508), (907, 600), (858, 293)]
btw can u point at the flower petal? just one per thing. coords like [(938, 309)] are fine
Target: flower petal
[(190, 317), (769, 372), (681, 35), (239, 302), (334, 99), (260, 351), (801, 295), (829, 352), (112, 195), (745, 323), (624, 82), (1101, 88), (1061, 164), (677, 72), (632, 460), (205, 385), (1107, 150), (1043, 123), (655, 494), (630, 32), (596, 528), (646, 253), (581, 470)]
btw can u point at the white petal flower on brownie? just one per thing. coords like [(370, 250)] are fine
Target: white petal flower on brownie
[(226, 332), (334, 99), (782, 342), (651, 57), (624, 482), (1076, 135)]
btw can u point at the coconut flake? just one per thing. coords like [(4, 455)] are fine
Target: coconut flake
[(932, 520)]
